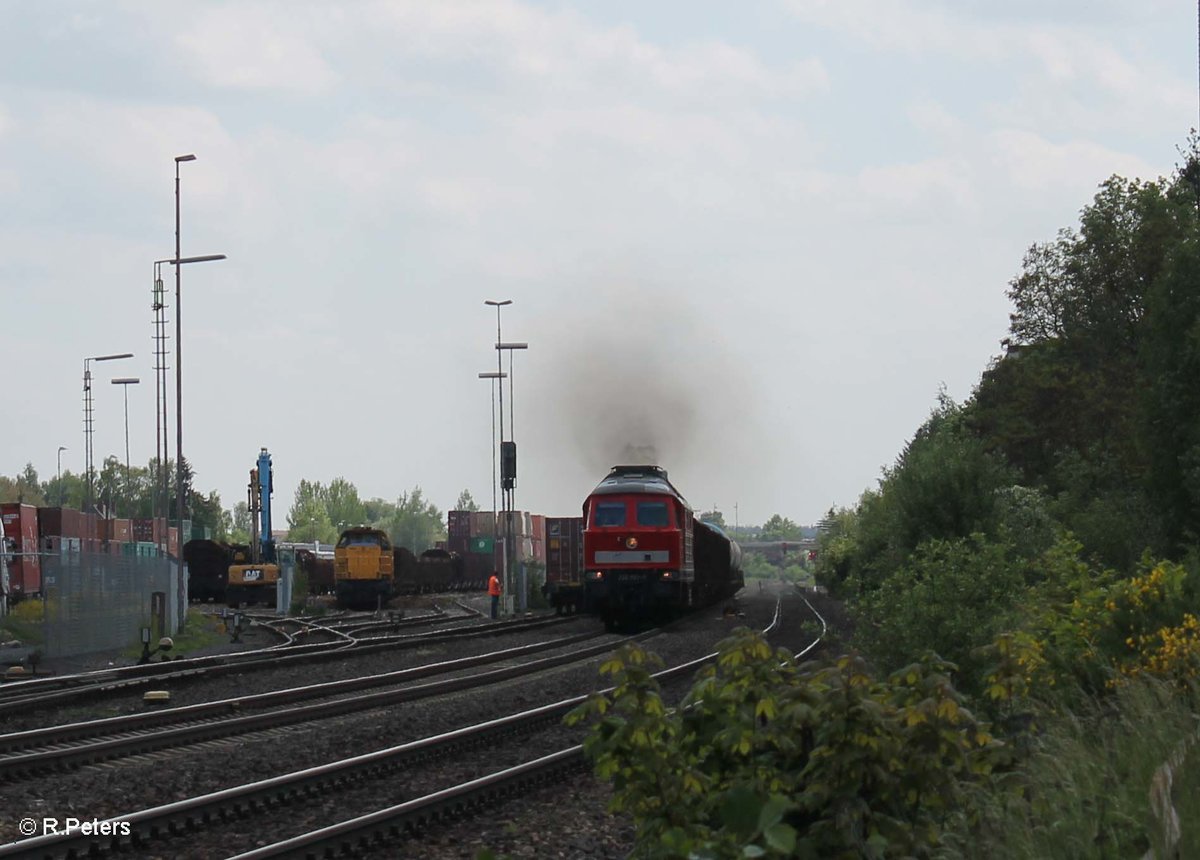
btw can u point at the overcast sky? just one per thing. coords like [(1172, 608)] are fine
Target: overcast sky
[(755, 238)]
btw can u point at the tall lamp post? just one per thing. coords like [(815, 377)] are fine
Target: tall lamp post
[(504, 494), (178, 263), (125, 382), (87, 416), (162, 441), (61, 448)]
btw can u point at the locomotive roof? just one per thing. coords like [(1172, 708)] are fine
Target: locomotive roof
[(637, 479)]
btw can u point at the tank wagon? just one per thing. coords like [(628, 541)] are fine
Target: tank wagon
[(646, 555)]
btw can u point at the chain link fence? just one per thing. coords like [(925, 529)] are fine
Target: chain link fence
[(97, 602)]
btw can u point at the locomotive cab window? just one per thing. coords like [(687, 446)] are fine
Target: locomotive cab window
[(610, 514), (653, 514), (361, 540)]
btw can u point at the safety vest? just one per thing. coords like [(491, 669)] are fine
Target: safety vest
[(494, 586)]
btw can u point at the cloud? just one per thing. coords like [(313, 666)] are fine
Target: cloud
[(259, 47), (1037, 165)]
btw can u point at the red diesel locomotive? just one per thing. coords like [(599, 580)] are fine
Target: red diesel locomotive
[(646, 555)]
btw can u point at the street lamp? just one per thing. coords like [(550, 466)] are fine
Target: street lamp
[(504, 494), (87, 416), (178, 263), (61, 448), (493, 376), (161, 444), (125, 382)]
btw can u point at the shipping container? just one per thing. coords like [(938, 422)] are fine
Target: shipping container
[(564, 563), (60, 522), (482, 523), (91, 527), (21, 534), (538, 532), (482, 545), (458, 524), (122, 530), (144, 530), (460, 545), (173, 542)]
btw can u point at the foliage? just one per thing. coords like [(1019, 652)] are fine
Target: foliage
[(239, 531), (466, 502), (342, 504), (1081, 790), (414, 522), (24, 488), (308, 519), (952, 597), (780, 528), (714, 517), (767, 758)]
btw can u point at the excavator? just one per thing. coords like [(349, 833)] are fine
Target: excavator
[(257, 580)]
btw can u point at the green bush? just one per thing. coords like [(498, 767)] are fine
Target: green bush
[(766, 758), (952, 597)]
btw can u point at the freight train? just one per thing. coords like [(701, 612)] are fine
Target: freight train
[(368, 570), (646, 555)]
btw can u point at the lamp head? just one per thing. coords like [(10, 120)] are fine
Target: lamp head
[(188, 157)]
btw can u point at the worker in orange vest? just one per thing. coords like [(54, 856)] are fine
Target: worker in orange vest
[(494, 591)]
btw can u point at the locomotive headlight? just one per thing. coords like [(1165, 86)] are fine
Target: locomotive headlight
[(595, 574), (631, 543), (666, 574)]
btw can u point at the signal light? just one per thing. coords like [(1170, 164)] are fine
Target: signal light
[(631, 543)]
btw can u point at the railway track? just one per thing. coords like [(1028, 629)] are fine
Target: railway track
[(24, 696), (382, 825), (29, 753)]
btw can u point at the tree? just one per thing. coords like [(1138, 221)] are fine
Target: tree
[(240, 523), (414, 522), (308, 519), (466, 502), (208, 513), (343, 505), (714, 517), (780, 528)]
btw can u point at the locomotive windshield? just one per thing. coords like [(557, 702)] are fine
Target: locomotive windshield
[(653, 514), (362, 539), (610, 514)]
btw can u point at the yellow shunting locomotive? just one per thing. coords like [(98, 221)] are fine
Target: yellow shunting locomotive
[(363, 568)]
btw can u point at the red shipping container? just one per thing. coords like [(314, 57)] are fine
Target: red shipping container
[(564, 549), (120, 531), (21, 531), (458, 524), (60, 522), (173, 542), (144, 530), (538, 532), (91, 527), (483, 524)]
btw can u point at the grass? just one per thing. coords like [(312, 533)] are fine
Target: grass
[(1084, 789), (201, 631), (24, 622)]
